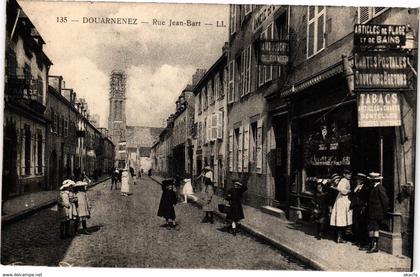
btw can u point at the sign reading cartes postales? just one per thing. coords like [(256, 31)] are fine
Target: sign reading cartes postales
[(378, 109), (372, 35), (380, 70)]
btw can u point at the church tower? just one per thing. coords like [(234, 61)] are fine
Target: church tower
[(116, 120)]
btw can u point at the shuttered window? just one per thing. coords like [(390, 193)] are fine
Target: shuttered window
[(220, 125), (231, 89), (367, 13)]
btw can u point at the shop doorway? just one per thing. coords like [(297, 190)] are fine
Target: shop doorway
[(374, 152), (280, 160)]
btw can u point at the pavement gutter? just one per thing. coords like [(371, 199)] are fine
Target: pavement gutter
[(272, 241), (7, 219)]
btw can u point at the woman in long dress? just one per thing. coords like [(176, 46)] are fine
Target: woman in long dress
[(167, 203), (209, 200), (234, 197), (125, 184), (187, 189), (341, 214)]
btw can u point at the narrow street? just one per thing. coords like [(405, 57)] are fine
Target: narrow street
[(126, 233)]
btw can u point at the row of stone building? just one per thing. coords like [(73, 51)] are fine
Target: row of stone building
[(48, 134), (281, 126)]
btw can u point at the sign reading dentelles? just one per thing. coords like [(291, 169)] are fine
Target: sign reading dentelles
[(378, 109), (274, 52), (369, 35), (380, 70)]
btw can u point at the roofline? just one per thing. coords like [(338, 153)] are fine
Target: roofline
[(208, 72)]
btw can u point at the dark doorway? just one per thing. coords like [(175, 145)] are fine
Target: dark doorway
[(52, 170), (9, 186), (280, 159)]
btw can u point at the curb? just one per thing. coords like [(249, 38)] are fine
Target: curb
[(277, 244), (7, 219)]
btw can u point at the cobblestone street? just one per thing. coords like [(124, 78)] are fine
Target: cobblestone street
[(126, 233)]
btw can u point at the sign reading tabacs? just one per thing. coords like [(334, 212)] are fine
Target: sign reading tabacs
[(371, 35), (378, 109)]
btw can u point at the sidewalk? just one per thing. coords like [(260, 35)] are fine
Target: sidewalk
[(21, 206), (299, 241)]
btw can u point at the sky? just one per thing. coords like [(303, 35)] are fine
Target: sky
[(159, 60)]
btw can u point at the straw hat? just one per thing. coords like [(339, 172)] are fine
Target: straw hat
[(67, 183), (360, 176), (375, 176), (80, 184), (335, 176), (207, 167)]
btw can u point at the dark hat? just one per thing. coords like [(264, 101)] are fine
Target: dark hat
[(360, 176), (346, 171), (168, 182), (335, 176), (375, 176)]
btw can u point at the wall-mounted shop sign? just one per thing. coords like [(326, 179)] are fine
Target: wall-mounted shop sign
[(371, 35), (273, 52), (378, 109), (380, 70)]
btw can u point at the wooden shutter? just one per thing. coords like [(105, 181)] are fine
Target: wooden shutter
[(230, 150), (231, 86), (246, 148), (216, 172), (240, 148), (220, 125), (248, 70), (259, 145), (214, 126)]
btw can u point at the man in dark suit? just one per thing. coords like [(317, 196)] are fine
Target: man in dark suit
[(377, 207)]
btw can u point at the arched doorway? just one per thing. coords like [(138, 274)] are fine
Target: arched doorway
[(52, 170)]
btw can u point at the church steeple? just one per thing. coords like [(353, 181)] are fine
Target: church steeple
[(117, 97)]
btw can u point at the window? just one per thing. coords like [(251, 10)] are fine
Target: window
[(236, 142), (246, 71), (205, 98), (259, 146), (315, 30), (40, 149), (220, 125), (225, 82), (265, 72), (231, 87), (233, 18), (66, 128), (367, 13), (217, 86), (210, 92), (27, 152), (253, 145), (199, 103), (52, 119)]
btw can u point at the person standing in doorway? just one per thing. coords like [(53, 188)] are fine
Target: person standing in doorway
[(377, 207)]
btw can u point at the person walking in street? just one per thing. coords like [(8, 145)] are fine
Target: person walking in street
[(377, 207), (83, 208), (341, 215), (114, 179), (320, 211), (125, 184), (359, 200), (167, 203), (236, 212), (209, 200), (66, 207), (187, 189)]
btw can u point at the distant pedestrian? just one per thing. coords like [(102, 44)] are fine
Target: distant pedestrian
[(377, 207), (120, 171), (167, 203), (139, 174), (187, 189), (209, 200), (150, 172), (132, 175), (125, 186), (83, 208), (114, 179), (234, 196), (66, 207), (320, 208), (341, 215)]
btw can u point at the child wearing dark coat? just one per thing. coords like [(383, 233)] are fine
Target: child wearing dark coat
[(234, 196), (320, 209), (167, 203)]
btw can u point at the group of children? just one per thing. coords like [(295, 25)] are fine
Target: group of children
[(73, 207), (345, 201)]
